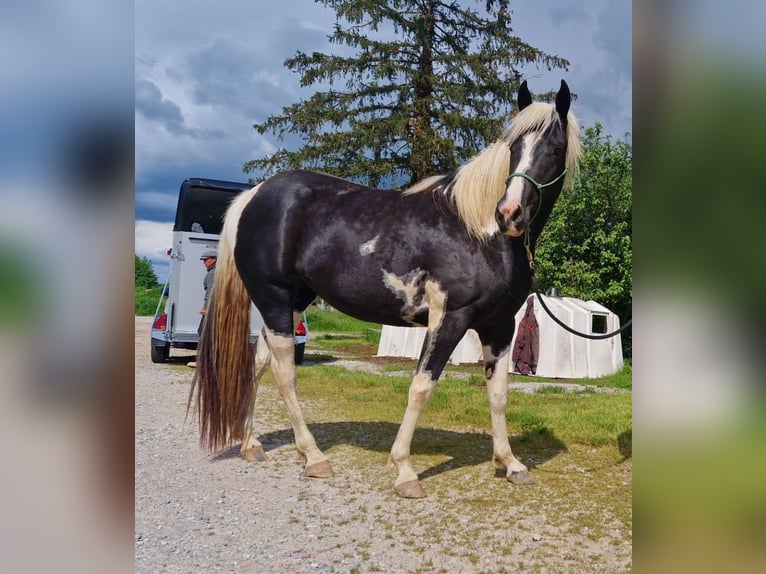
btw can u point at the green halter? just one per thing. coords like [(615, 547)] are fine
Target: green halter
[(540, 187), (532, 180)]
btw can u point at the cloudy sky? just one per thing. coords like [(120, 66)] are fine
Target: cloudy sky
[(205, 72)]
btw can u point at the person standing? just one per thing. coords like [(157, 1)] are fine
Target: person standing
[(209, 258)]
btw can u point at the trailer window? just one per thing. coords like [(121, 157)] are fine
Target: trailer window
[(202, 210)]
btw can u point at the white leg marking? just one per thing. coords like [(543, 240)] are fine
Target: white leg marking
[(251, 448), (283, 357), (497, 391), (436, 300), (420, 391)]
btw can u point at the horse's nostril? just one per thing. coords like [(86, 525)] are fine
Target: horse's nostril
[(511, 216)]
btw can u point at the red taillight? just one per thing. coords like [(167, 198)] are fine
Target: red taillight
[(161, 322), (300, 329)]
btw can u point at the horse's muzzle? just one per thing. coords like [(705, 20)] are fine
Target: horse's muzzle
[(511, 224)]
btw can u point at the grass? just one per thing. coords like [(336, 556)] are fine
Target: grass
[(595, 419), (622, 379), (330, 321), (586, 418)]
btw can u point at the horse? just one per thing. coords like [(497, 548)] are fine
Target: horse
[(451, 253)]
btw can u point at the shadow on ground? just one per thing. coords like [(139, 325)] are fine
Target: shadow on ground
[(181, 359), (464, 449)]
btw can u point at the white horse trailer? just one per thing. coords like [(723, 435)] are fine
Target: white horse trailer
[(202, 204)]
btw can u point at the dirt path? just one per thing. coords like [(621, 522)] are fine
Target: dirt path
[(201, 513)]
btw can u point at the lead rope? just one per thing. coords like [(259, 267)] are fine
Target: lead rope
[(566, 327), (530, 257), (559, 322), (531, 261), (539, 186)]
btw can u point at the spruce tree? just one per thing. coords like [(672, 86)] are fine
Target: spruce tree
[(419, 87)]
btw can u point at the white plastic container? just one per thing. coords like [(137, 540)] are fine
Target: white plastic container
[(561, 354)]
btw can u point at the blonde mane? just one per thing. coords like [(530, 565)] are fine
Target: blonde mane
[(478, 185)]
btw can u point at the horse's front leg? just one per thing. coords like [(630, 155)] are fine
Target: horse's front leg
[(407, 484), (496, 370), (444, 332)]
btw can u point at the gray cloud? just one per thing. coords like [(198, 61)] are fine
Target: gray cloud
[(610, 92), (596, 38), (153, 106), (568, 14), (230, 75), (249, 77), (613, 36)]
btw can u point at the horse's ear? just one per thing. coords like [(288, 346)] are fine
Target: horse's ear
[(524, 98), (563, 99)]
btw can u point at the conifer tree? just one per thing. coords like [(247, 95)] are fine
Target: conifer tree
[(416, 88)]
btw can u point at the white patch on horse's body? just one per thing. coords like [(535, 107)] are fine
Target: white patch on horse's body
[(410, 289), (436, 299), (418, 293), (368, 247)]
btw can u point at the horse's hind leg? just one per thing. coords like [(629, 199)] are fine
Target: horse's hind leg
[(252, 450), (283, 362)]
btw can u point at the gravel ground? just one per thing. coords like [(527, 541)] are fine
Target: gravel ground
[(214, 513)]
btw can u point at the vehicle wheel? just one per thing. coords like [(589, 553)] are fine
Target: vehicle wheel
[(299, 350), (160, 354)]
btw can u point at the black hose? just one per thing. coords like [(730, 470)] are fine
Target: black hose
[(568, 328)]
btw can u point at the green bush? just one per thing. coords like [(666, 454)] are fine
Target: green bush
[(146, 300)]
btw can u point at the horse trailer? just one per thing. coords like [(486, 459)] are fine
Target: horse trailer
[(202, 204)]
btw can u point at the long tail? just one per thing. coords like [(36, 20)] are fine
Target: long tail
[(224, 374)]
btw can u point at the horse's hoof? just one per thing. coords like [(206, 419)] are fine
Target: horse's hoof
[(256, 454), (320, 469), (521, 477), (410, 489)]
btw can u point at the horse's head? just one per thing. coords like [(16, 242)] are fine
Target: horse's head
[(538, 141)]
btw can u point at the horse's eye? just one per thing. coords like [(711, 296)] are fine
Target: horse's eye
[(557, 151)]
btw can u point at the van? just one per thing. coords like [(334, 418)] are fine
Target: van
[(202, 204)]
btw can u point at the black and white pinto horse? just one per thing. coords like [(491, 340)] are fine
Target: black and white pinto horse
[(450, 253)]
